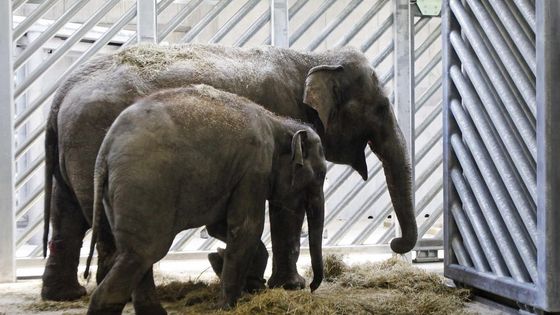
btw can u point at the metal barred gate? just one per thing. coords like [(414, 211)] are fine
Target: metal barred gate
[(501, 148), (50, 38)]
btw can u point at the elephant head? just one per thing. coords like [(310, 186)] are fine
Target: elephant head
[(354, 112), (299, 185)]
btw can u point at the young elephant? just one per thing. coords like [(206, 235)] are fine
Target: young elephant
[(188, 157)]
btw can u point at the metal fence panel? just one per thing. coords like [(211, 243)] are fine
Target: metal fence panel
[(55, 37), (500, 186)]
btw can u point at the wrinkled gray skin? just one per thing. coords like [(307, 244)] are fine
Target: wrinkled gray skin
[(188, 157), (336, 91)]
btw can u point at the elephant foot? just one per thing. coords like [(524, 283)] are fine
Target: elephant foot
[(60, 281), (110, 310), (62, 292), (255, 285), (287, 281), (151, 309)]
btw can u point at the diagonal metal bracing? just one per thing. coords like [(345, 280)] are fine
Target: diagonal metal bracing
[(199, 27), (523, 168), (32, 229), (238, 16), (187, 236), (478, 133), (100, 43), (481, 224), (529, 75), (17, 4), (35, 135), (491, 188), (473, 179), (460, 252), (527, 9), (472, 246), (377, 34), (522, 22), (31, 200), (333, 25), (30, 171), (429, 223), (513, 68), (363, 21), (523, 43), (32, 18), (64, 48), (32, 47), (310, 21), (179, 18), (37, 194), (524, 125)]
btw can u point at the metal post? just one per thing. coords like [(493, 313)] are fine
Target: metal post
[(403, 37), (548, 153), (279, 28), (7, 221), (146, 26)]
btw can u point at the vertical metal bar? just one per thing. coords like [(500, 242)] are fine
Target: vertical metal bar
[(548, 138), (448, 24), (279, 26), (146, 26), (403, 38), (7, 224)]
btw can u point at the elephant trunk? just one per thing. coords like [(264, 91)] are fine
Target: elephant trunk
[(315, 221), (393, 153)]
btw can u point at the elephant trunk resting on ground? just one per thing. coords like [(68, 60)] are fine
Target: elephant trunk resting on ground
[(183, 158), (336, 91)]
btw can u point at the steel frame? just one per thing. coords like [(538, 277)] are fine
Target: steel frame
[(7, 193), (501, 203)]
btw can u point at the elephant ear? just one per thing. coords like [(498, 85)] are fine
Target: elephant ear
[(319, 90), (298, 147)]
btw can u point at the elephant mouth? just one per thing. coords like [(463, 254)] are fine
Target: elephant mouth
[(359, 164)]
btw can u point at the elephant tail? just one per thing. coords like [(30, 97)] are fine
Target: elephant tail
[(51, 163), (99, 180)]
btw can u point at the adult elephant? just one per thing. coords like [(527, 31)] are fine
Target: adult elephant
[(336, 91)]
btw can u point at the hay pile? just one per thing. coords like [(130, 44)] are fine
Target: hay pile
[(389, 287)]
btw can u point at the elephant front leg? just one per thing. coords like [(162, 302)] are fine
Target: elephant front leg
[(285, 230), (245, 223), (255, 276), (60, 280)]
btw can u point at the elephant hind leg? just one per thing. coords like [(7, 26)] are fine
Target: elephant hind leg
[(106, 249), (60, 279), (145, 298), (113, 293)]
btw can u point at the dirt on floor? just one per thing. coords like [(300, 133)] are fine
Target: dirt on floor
[(388, 287)]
